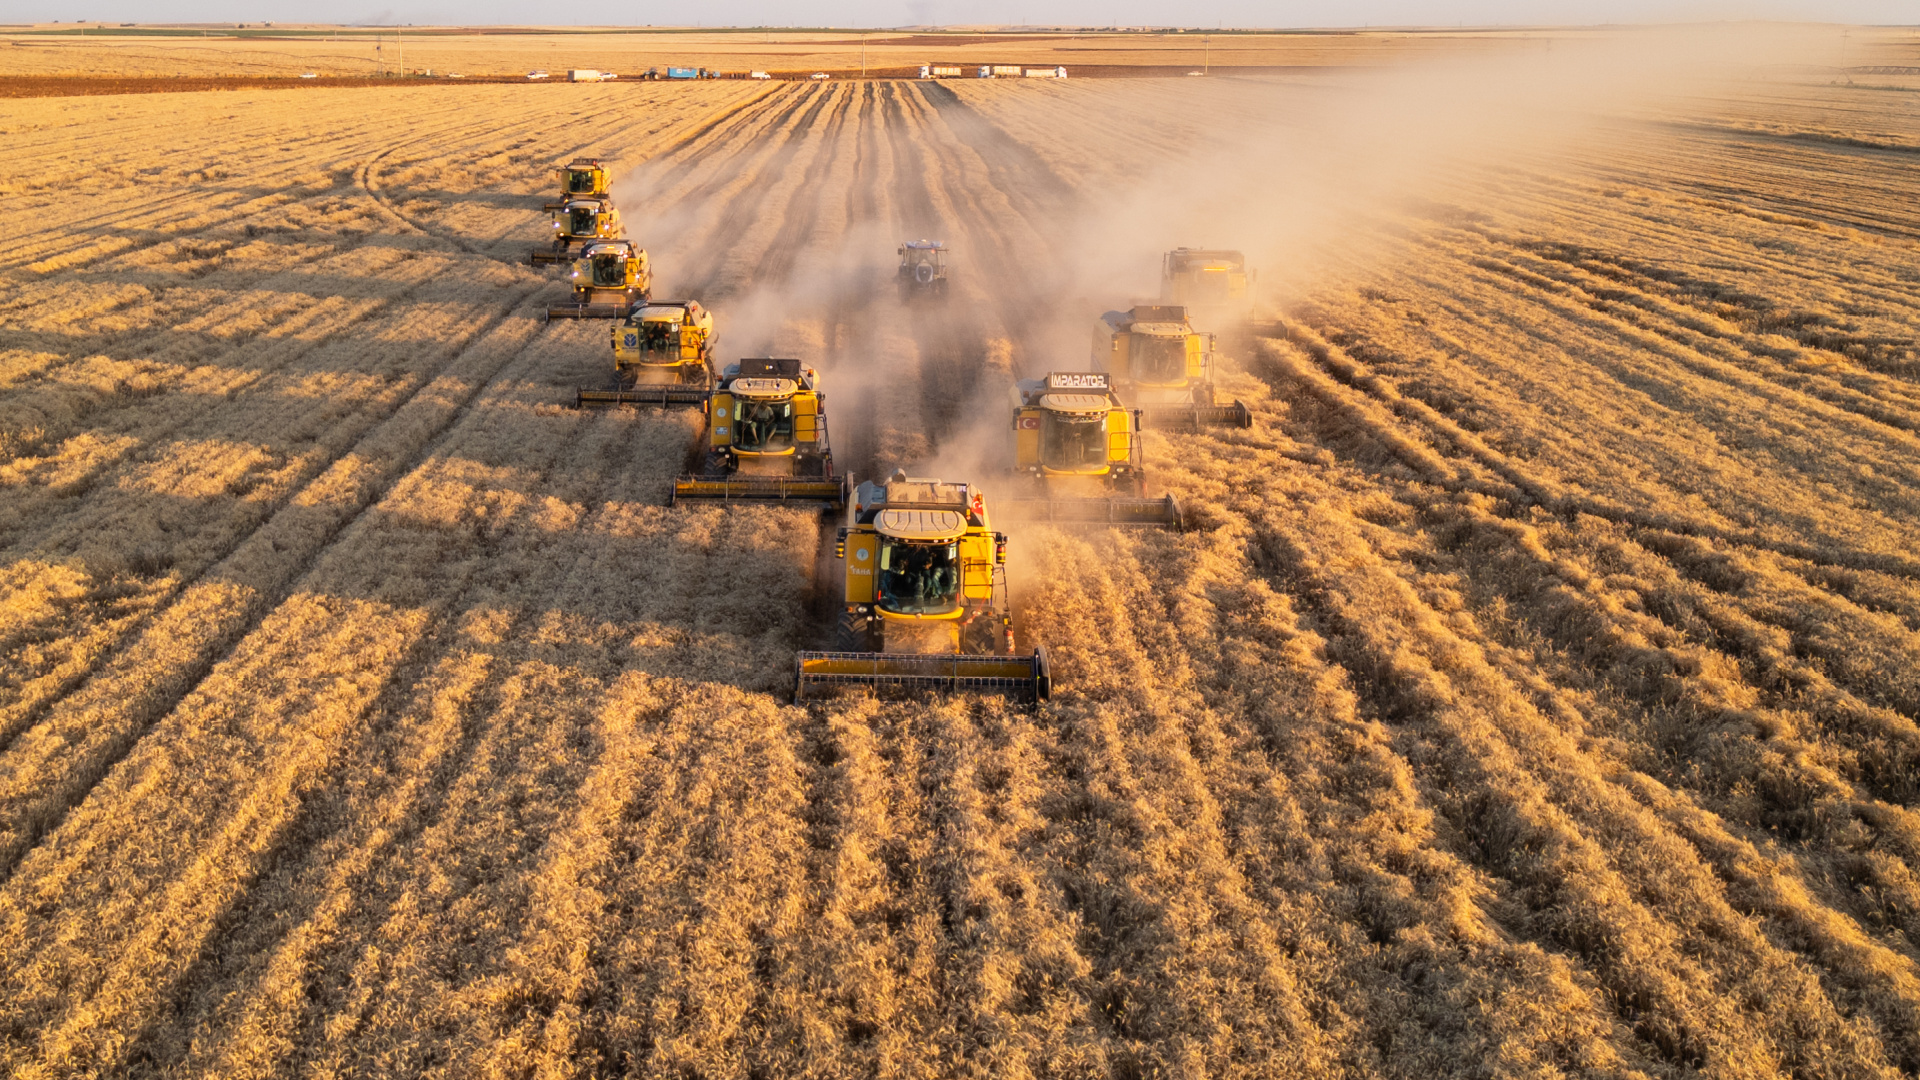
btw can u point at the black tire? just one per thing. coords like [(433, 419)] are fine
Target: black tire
[(851, 634), (983, 636)]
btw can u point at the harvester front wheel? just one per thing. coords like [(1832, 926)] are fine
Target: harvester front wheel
[(851, 634), (983, 636)]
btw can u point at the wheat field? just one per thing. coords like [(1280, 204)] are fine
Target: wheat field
[(1531, 694)]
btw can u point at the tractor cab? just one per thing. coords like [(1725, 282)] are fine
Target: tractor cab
[(923, 269)]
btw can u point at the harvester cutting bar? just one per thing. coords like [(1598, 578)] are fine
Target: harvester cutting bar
[(1162, 512), (829, 491), (1194, 417), (589, 311), (1022, 678), (663, 394)]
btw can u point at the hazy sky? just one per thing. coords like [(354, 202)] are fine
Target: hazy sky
[(904, 12)]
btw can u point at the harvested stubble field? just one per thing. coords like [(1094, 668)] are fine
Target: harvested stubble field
[(1532, 695)]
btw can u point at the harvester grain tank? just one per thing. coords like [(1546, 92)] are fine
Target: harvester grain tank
[(923, 270), (1079, 446), (925, 605), (578, 222), (662, 355), (1205, 277), (1163, 366), (766, 438), (582, 177), (608, 279)]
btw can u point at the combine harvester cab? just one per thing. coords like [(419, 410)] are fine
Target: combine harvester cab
[(923, 270), (581, 177), (1165, 366), (1216, 281), (1071, 434), (608, 278), (926, 607), (662, 355), (576, 223), (766, 439)]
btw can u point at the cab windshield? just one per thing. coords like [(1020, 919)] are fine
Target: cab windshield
[(609, 270), (660, 337), (760, 426), (919, 578), (1073, 443), (580, 222), (1210, 284), (1159, 359), (579, 180)]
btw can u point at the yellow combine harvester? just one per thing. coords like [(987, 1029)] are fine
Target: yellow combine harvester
[(662, 355), (1200, 277), (1160, 362), (925, 599), (766, 438), (608, 278), (581, 176), (576, 223), (1080, 445)]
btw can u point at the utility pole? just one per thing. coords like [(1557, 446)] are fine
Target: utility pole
[(863, 56), (1206, 56)]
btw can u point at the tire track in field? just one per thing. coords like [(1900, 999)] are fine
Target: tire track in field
[(185, 910), (1875, 983), (78, 736)]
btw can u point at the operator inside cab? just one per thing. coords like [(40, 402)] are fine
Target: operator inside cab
[(581, 219), (1159, 359), (579, 180), (919, 578), (1074, 442), (609, 268), (763, 425)]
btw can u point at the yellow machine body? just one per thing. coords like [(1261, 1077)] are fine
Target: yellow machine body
[(925, 600), (1154, 351), (1204, 277), (577, 222), (608, 277), (665, 341), (1071, 423), (584, 176), (1162, 366), (766, 438)]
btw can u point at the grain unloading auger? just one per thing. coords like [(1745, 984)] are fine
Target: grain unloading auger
[(662, 355), (578, 222), (1164, 366), (1079, 445), (608, 278), (766, 439), (925, 600)]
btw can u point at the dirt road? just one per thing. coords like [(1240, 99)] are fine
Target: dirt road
[(1533, 693)]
